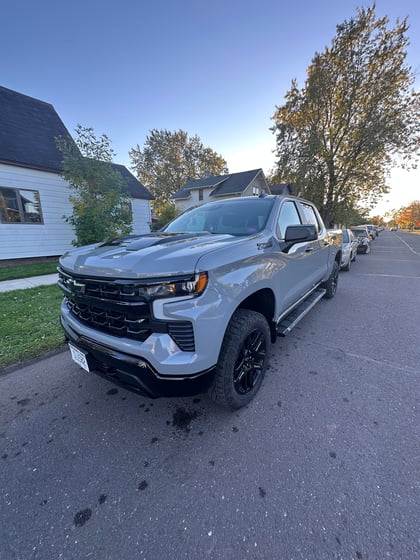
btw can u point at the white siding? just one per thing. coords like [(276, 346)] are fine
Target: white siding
[(54, 236), (142, 216), (194, 200)]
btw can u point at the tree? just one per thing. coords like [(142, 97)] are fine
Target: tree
[(408, 217), (338, 137), (101, 209), (169, 159), (167, 213)]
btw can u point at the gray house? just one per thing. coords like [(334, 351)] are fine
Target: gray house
[(33, 195), (199, 191)]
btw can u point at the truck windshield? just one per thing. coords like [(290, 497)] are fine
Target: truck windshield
[(234, 217)]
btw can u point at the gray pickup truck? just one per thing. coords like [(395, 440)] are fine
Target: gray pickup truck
[(195, 307)]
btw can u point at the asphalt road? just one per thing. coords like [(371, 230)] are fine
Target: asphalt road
[(323, 464)]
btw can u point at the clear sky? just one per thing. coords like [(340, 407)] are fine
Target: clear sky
[(216, 69)]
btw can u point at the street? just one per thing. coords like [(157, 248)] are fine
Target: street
[(323, 464)]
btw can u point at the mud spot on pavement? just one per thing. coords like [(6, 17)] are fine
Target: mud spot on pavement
[(333, 454), (82, 517), (102, 499), (143, 485), (262, 492), (23, 402), (182, 419), (113, 391), (235, 429)]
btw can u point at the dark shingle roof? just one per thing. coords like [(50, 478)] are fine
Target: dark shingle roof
[(28, 128), (134, 187), (223, 184), (236, 183)]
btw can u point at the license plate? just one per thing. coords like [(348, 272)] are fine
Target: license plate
[(79, 357)]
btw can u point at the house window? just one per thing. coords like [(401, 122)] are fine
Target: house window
[(200, 194), (20, 206)]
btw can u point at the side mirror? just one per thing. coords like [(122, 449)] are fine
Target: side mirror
[(300, 233)]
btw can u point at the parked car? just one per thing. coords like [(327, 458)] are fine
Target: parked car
[(349, 248), (371, 230), (362, 235)]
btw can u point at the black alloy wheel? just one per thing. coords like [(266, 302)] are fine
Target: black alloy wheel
[(243, 359), (249, 365)]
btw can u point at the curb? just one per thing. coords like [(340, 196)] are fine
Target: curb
[(19, 365)]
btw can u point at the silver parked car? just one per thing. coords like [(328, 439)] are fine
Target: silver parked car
[(349, 248), (362, 235)]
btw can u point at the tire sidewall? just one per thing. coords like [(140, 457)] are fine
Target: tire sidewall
[(241, 325)]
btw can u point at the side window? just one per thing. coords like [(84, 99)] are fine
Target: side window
[(289, 216), (19, 206), (309, 216)]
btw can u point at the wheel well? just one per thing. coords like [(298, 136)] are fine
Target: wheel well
[(338, 257), (262, 302)]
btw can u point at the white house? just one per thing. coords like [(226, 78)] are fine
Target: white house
[(199, 191), (33, 196)]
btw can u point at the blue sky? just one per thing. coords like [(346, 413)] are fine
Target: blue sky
[(216, 69)]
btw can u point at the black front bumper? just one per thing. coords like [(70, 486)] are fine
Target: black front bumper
[(135, 374)]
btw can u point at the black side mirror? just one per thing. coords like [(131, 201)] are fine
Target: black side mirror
[(300, 233)]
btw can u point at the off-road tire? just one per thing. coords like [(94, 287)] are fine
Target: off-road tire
[(242, 361), (331, 284)]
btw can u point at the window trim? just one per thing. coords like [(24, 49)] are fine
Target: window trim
[(17, 192)]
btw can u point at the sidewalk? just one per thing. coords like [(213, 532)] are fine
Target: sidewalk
[(44, 280)]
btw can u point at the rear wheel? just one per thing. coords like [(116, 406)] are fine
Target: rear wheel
[(243, 359)]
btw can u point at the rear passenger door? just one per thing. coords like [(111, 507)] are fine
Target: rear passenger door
[(318, 250)]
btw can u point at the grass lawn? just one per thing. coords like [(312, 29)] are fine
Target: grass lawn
[(26, 270), (29, 323)]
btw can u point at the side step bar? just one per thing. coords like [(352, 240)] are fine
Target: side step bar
[(289, 322)]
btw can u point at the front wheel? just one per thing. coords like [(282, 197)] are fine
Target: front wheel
[(346, 268), (243, 359), (331, 284)]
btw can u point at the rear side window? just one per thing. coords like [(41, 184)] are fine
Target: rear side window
[(289, 216)]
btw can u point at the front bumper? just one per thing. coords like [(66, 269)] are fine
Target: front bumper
[(135, 374)]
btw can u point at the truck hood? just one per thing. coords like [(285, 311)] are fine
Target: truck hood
[(145, 256)]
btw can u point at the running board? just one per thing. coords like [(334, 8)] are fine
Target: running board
[(289, 322)]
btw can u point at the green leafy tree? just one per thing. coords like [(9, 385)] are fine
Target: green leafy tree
[(166, 214), (338, 137), (169, 159), (101, 209)]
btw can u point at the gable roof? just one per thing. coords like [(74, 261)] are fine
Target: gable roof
[(28, 128), (133, 185), (224, 185)]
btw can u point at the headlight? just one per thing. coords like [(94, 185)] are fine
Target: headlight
[(192, 287)]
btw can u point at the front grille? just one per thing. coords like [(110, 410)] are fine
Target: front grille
[(118, 323), (120, 308)]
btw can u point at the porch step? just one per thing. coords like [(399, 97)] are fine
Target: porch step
[(289, 322)]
